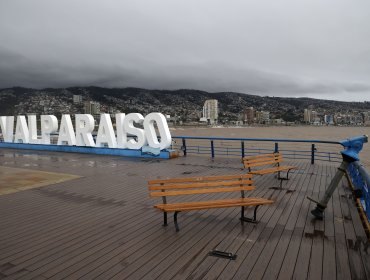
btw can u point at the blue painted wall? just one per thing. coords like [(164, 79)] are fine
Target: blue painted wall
[(165, 154)]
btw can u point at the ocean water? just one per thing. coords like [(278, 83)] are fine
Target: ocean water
[(331, 133)]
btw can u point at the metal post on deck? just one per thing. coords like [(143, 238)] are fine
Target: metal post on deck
[(313, 153), (243, 154), (183, 148), (212, 149), (352, 147), (276, 150)]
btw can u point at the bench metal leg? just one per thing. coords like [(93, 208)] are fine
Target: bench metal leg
[(283, 178), (175, 221), (165, 219), (249, 220)]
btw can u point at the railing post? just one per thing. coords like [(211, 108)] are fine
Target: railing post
[(184, 146), (276, 148), (243, 149), (212, 149), (313, 153)]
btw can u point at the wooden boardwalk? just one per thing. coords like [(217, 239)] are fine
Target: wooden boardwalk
[(102, 225)]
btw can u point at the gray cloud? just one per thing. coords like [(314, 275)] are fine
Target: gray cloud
[(277, 48)]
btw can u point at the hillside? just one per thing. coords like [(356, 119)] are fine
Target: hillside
[(185, 104)]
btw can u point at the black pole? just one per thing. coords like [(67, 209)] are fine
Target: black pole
[(243, 154), (184, 146), (212, 149), (313, 153)]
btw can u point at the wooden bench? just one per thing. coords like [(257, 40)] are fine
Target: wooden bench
[(165, 188), (272, 161)]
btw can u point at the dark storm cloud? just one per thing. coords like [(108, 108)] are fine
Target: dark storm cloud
[(277, 48)]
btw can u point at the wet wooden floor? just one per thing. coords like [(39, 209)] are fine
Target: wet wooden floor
[(103, 225)]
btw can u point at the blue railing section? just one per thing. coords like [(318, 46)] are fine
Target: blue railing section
[(361, 181), (240, 147)]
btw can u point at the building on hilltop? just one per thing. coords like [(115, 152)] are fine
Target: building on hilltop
[(328, 120), (210, 111), (91, 107), (249, 115), (263, 117), (311, 117), (77, 99), (307, 115)]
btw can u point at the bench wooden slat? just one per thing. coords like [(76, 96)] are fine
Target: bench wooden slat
[(222, 203), (271, 155), (273, 165), (205, 185), (272, 170), (201, 185), (201, 191), (195, 179), (277, 159), (247, 164), (274, 157)]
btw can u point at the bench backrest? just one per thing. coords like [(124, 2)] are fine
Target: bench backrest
[(200, 185), (261, 160)]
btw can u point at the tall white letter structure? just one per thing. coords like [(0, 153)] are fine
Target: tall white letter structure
[(66, 133), (49, 124), (163, 130), (128, 126), (84, 127), (121, 134), (32, 127), (7, 128), (105, 132), (22, 134)]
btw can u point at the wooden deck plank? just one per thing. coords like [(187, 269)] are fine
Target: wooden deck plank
[(317, 250), (341, 252), (70, 270), (104, 225), (329, 263), (112, 262), (303, 258), (273, 268), (258, 236), (264, 261), (290, 259), (178, 270), (222, 241), (353, 243)]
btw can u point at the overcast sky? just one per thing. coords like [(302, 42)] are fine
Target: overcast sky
[(315, 48)]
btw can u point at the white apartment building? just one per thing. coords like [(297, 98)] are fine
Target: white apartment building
[(210, 111)]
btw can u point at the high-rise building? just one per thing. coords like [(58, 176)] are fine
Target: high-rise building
[(328, 119), (307, 116), (250, 115), (92, 107), (77, 99), (263, 117), (210, 111)]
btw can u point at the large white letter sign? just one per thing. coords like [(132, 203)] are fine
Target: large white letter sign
[(84, 126), (66, 133), (106, 132), (121, 134), (21, 131), (163, 130), (32, 127), (7, 128), (49, 124), (128, 125)]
